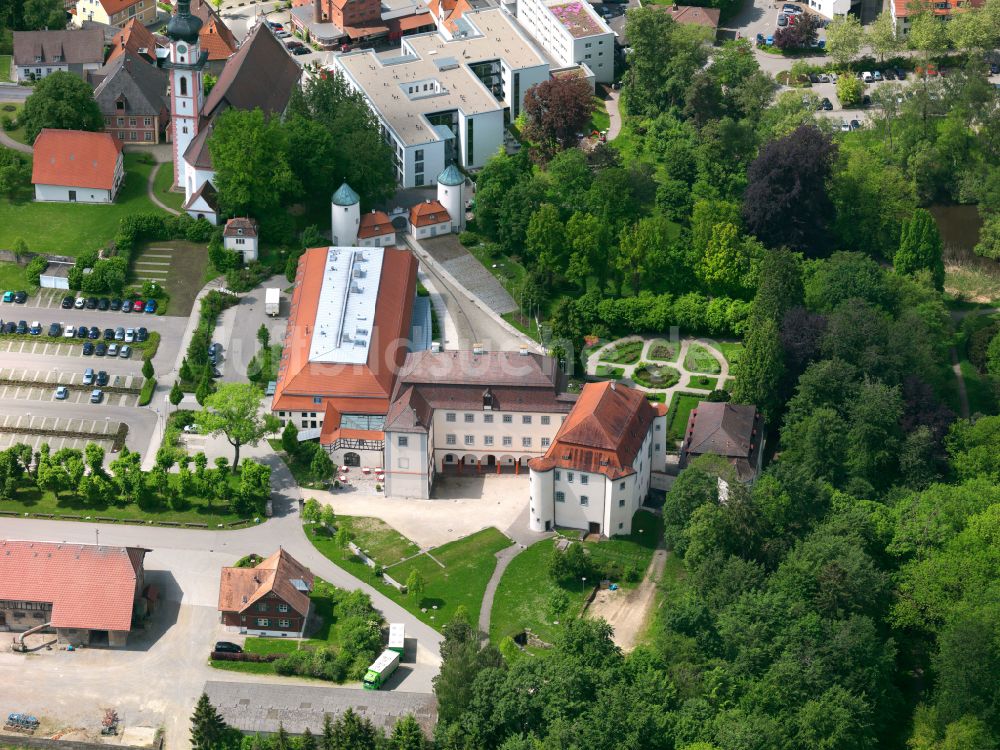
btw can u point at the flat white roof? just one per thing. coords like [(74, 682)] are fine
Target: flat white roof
[(345, 313), (442, 66), (578, 17)]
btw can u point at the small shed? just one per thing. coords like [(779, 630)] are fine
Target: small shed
[(56, 276), (240, 235)]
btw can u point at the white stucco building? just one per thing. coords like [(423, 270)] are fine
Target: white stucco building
[(833, 8), (76, 166), (470, 412), (240, 236), (444, 101), (572, 33), (596, 473)]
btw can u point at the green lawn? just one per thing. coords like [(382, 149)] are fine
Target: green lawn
[(468, 565), (731, 350), (300, 470), (13, 276), (161, 186), (523, 596), (600, 119), (150, 509), (704, 381), (681, 408), (609, 371), (72, 228), (13, 111), (699, 359), (623, 354), (379, 540), (5, 63)]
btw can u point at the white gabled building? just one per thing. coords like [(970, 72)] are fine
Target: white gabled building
[(572, 33), (596, 473), (448, 100)]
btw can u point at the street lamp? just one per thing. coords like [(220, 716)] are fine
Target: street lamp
[(583, 584)]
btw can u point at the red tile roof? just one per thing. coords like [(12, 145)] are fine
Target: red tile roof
[(116, 6), (375, 224), (409, 23), (240, 227), (602, 434), (904, 8), (695, 15), (367, 385), (76, 158), (90, 587), (215, 36), (239, 588), (427, 213), (132, 38)]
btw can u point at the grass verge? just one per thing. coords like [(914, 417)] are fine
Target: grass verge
[(608, 371), (162, 183), (677, 416), (468, 564)]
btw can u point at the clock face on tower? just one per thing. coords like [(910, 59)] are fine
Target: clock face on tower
[(182, 48)]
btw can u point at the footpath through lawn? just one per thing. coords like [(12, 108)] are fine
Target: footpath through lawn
[(455, 574)]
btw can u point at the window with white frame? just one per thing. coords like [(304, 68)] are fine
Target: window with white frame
[(525, 419), (546, 419), (449, 439), (403, 441), (470, 418), (470, 440), (507, 441), (569, 477), (488, 418), (558, 475), (263, 622), (526, 442), (449, 416), (545, 442), (584, 479), (282, 608), (284, 623), (488, 440), (508, 418), (560, 497)]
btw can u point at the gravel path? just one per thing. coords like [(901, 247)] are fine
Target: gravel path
[(152, 192)]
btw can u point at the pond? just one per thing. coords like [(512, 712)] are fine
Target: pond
[(959, 227)]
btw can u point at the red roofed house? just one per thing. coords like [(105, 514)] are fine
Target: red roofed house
[(134, 39), (347, 336), (470, 412), (429, 219), (269, 599), (375, 230), (87, 593), (75, 166), (903, 9), (596, 473), (733, 431), (115, 12), (215, 37)]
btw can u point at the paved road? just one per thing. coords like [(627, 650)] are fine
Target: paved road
[(142, 423), (10, 92), (238, 326)]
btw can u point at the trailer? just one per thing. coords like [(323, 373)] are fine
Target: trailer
[(381, 670), (272, 301), (397, 637)]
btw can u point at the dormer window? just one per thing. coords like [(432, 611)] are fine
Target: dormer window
[(38, 58), (120, 105), (57, 58), (239, 231)]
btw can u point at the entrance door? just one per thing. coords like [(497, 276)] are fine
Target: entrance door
[(72, 196), (595, 528), (352, 459), (548, 525)]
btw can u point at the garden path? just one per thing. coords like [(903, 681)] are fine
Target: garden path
[(152, 192), (686, 376)]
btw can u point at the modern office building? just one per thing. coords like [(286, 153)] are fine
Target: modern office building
[(572, 33), (442, 101)]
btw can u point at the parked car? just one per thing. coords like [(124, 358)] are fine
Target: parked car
[(129, 335), (769, 40), (888, 74), (101, 349), (791, 9), (91, 303), (102, 378), (813, 78), (877, 75), (782, 20), (824, 78), (35, 329), (95, 332), (855, 125), (292, 44), (867, 76), (826, 105), (79, 302), (70, 332), (191, 429), (150, 306), (112, 350), (109, 334), (8, 296), (55, 330), (88, 376), (228, 648), (20, 297), (126, 306), (275, 25), (116, 304), (88, 349), (866, 101), (22, 327), (119, 334), (845, 127), (96, 396), (137, 306), (994, 69), (125, 352), (103, 303), (62, 393), (9, 327), (901, 74), (67, 303), (282, 34), (82, 332), (300, 51), (141, 334)]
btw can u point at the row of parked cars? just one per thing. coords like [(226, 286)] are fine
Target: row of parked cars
[(99, 378), (16, 297), (115, 340), (295, 47), (104, 303)]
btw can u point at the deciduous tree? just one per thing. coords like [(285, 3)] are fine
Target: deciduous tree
[(233, 411), (556, 110), (844, 37), (60, 100)]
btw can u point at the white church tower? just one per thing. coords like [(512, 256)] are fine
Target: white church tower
[(451, 195), (345, 217), (185, 64)]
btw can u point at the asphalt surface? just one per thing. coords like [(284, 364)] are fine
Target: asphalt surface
[(141, 422)]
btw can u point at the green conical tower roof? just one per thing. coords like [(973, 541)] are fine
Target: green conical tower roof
[(451, 176), (345, 196)]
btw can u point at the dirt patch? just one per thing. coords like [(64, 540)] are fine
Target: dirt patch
[(628, 611), (178, 266)]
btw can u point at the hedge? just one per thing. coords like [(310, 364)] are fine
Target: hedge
[(146, 394)]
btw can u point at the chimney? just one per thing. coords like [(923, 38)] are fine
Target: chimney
[(318, 11)]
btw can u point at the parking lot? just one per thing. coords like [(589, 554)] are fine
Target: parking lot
[(100, 430)]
